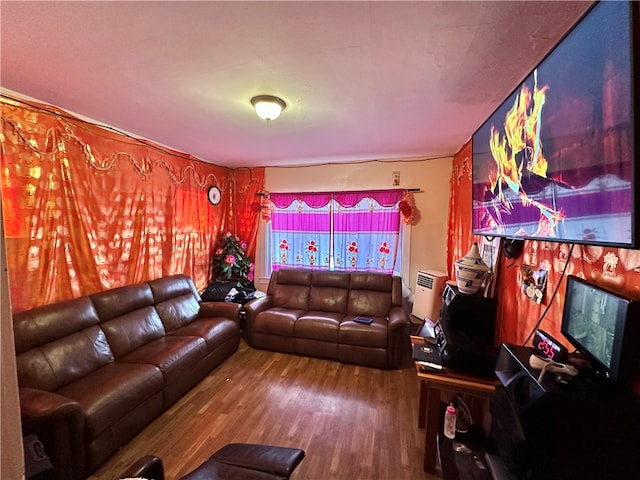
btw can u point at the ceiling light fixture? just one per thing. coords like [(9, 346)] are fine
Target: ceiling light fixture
[(268, 107)]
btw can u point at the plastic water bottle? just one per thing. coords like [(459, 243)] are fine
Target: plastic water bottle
[(450, 422)]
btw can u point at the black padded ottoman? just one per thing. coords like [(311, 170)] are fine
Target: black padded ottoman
[(235, 461)]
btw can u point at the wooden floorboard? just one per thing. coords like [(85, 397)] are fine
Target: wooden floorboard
[(353, 422)]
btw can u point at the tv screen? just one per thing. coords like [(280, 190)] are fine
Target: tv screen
[(598, 322), (555, 161)]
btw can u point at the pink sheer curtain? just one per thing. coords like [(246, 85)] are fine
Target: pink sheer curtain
[(301, 236), (366, 236), (313, 200), (385, 198), (336, 230)]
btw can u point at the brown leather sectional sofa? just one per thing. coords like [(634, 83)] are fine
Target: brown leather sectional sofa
[(312, 312), (95, 370)]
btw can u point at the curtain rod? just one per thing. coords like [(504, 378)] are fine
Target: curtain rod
[(262, 194)]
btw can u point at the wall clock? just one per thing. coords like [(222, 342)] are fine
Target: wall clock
[(214, 195)]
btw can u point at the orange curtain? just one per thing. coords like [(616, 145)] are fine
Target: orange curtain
[(86, 209), (459, 238), (246, 214), (518, 315)]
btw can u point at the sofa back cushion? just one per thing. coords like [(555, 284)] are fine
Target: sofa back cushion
[(290, 288), (380, 282), (177, 300), (118, 301), (173, 286), (128, 317), (329, 291), (58, 344), (132, 330), (370, 293)]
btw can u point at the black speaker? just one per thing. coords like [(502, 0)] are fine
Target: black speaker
[(473, 316), (465, 353), (465, 333)]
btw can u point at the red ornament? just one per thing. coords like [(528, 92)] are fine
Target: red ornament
[(407, 208)]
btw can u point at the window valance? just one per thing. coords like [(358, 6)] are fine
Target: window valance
[(385, 198)]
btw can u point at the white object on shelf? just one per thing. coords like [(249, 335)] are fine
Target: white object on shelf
[(427, 299)]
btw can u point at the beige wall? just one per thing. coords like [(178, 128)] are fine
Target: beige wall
[(428, 235)]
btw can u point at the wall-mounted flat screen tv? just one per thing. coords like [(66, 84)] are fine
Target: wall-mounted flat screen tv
[(556, 160)]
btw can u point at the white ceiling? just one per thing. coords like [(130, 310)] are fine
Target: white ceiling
[(362, 80)]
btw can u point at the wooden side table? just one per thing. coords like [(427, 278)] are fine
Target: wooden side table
[(431, 385)]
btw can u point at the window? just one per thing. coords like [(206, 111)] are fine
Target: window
[(335, 231)]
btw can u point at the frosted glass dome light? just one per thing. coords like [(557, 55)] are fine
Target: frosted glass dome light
[(268, 107)]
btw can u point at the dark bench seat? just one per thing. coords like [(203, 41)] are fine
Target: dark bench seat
[(236, 461)]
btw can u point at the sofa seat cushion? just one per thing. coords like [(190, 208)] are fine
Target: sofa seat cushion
[(173, 355), (318, 326), (214, 331), (106, 394), (277, 321), (362, 334)]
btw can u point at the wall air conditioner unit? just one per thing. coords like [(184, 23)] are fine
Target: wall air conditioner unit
[(427, 299)]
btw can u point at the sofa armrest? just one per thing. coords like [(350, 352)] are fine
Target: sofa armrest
[(257, 305), (59, 424), (220, 309), (149, 467), (280, 461), (398, 319), (399, 329), (251, 310)]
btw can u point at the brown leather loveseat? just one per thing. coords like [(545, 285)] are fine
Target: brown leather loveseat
[(312, 312), (95, 370)]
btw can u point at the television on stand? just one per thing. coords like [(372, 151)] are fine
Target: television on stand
[(604, 327)]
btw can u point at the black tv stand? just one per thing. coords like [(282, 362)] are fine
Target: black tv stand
[(589, 373), (550, 430), (461, 459)]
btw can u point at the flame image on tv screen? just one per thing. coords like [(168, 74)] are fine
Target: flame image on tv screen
[(556, 160)]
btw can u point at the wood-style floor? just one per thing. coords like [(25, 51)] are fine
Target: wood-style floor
[(353, 422)]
